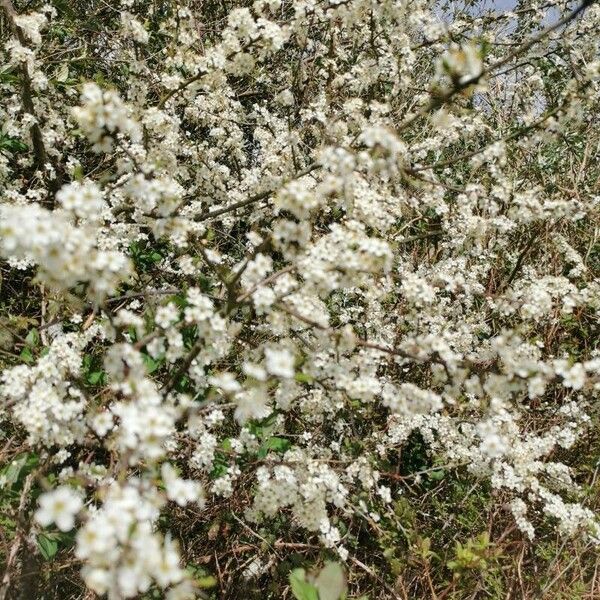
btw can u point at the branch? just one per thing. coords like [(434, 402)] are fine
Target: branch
[(366, 344), (438, 101), (519, 262), (184, 84), (252, 199), (185, 365), (20, 536), (36, 133), (39, 150), (513, 136)]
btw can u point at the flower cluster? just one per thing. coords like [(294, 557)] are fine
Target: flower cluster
[(281, 262)]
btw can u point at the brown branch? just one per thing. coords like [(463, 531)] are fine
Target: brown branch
[(39, 150), (252, 199), (19, 538), (184, 84), (185, 365), (519, 262), (265, 281), (371, 345)]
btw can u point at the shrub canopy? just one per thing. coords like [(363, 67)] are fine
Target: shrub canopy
[(293, 281)]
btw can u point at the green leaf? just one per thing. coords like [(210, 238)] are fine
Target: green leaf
[(220, 465), (10, 144), (437, 475), (47, 545), (301, 589), (303, 378), (96, 377), (207, 582), (331, 582), (7, 76), (150, 363), (19, 467), (26, 355), (276, 444), (78, 173), (14, 469), (33, 338), (203, 579)]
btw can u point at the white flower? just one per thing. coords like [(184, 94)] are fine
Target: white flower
[(493, 445), (181, 491), (31, 25), (385, 493), (167, 569), (200, 307), (60, 507), (574, 377), (102, 423), (251, 404), (166, 315), (82, 199), (280, 362), (255, 371), (462, 64), (226, 382), (285, 98)]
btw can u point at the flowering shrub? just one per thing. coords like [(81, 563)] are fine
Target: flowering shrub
[(299, 286)]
